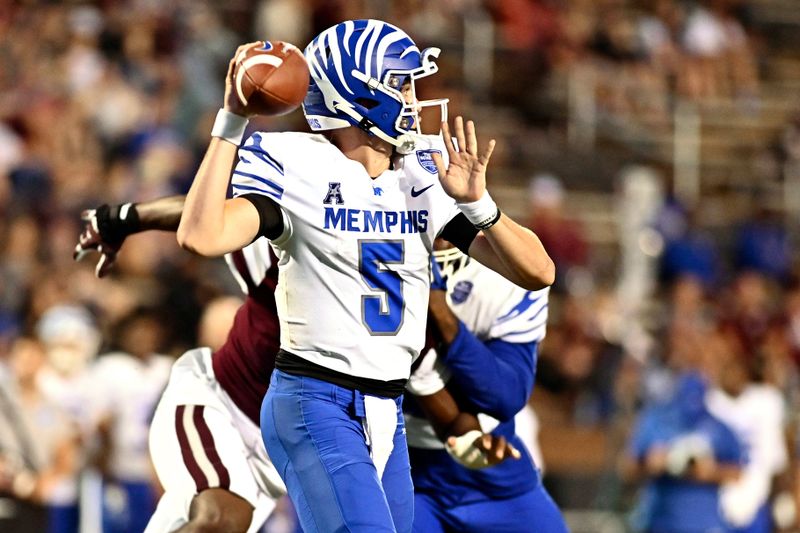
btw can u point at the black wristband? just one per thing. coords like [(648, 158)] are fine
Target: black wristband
[(489, 223), (115, 223)]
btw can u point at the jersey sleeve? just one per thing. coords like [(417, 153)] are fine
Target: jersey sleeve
[(496, 377), (526, 319), (430, 377), (260, 169)]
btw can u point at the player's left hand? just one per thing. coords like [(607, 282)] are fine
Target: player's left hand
[(465, 178), (476, 450)]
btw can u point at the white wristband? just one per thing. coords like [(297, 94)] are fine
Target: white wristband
[(229, 127), (482, 213)]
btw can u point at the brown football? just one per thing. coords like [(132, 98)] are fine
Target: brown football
[(271, 77)]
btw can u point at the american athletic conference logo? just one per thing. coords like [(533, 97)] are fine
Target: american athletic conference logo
[(461, 291), (425, 158)]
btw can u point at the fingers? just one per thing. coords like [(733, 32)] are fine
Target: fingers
[(105, 263), (462, 142), (472, 139), (484, 443), (466, 139), (496, 449), (484, 159), (439, 162), (79, 252), (448, 140)]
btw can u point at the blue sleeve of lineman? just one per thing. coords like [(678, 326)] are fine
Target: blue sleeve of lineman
[(496, 376)]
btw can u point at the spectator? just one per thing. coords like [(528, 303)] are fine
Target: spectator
[(748, 315), (755, 412), (126, 388), (684, 454), (39, 448), (563, 238), (763, 245), (689, 250)]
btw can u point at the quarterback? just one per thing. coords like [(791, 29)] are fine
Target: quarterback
[(353, 214)]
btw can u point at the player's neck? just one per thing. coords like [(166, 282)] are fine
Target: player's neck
[(372, 152)]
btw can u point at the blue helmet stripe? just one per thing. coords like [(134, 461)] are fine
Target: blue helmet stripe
[(371, 49), (336, 56)]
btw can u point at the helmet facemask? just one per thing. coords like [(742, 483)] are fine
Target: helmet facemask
[(450, 261), (408, 122)]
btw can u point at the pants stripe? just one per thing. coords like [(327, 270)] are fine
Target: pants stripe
[(199, 478), (208, 445), (198, 449)]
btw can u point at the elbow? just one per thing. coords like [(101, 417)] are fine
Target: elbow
[(505, 412), (506, 407), (513, 406), (189, 240), (539, 278)]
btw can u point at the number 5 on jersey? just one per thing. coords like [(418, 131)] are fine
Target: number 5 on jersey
[(382, 313)]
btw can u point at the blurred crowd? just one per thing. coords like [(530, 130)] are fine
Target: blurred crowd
[(110, 101)]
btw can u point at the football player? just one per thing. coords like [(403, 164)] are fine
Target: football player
[(353, 214), (488, 331), (224, 392), (204, 439)]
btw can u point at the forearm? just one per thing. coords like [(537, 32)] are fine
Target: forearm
[(442, 318), (516, 253), (161, 214), (203, 228), (445, 416)]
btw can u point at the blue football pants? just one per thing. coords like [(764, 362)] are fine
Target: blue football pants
[(531, 512), (313, 433)]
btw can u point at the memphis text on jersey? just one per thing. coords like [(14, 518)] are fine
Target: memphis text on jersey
[(365, 220)]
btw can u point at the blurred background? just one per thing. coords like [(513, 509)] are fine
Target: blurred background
[(653, 145)]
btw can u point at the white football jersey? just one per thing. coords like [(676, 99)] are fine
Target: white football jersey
[(491, 307), (127, 389), (354, 254), (494, 308)]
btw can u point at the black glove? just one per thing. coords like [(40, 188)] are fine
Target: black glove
[(104, 231)]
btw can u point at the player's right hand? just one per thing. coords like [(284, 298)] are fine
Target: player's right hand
[(92, 239), (476, 450), (233, 103)]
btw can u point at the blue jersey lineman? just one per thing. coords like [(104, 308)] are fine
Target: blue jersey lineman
[(490, 329)]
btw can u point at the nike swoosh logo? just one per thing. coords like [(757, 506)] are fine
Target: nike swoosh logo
[(415, 193)]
